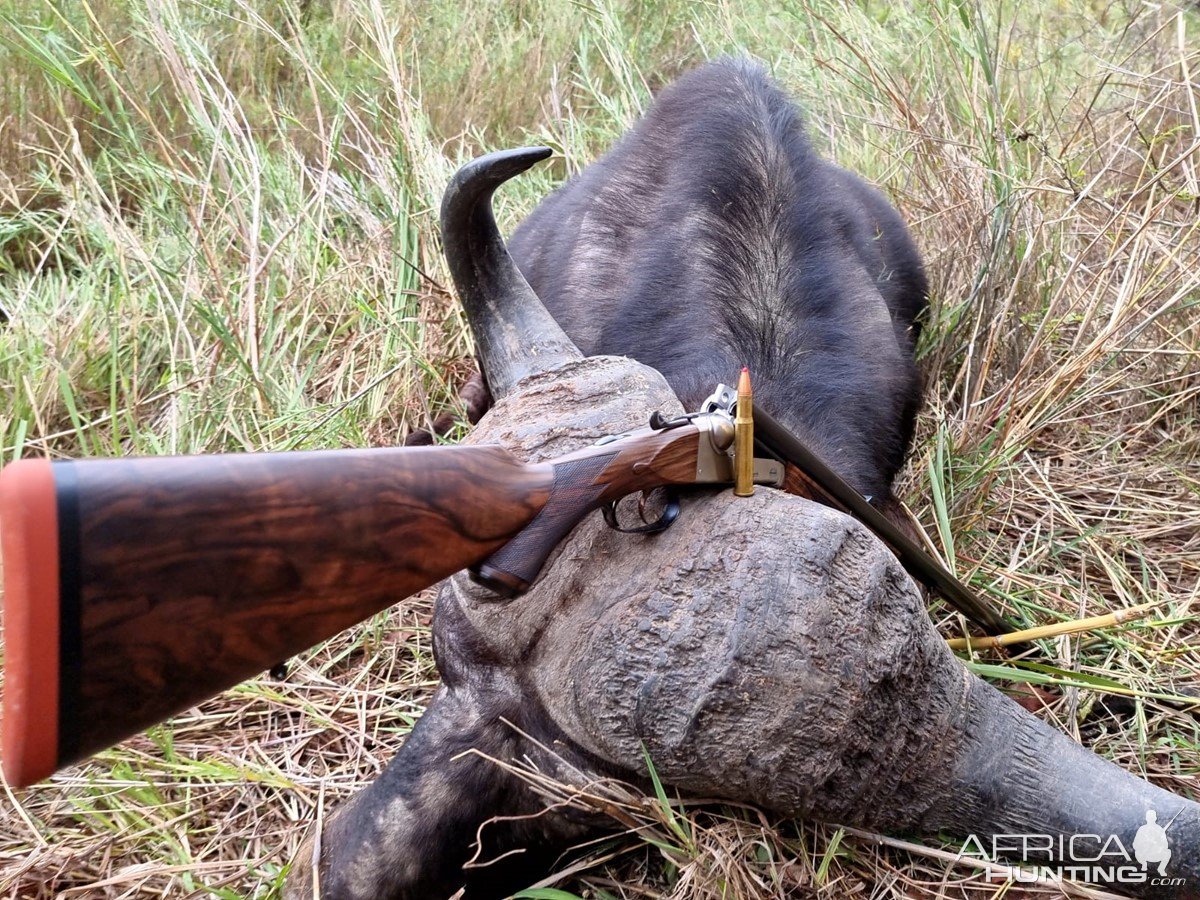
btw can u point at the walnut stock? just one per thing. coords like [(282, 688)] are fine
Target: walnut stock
[(174, 578)]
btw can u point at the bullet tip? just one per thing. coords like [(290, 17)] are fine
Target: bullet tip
[(744, 381)]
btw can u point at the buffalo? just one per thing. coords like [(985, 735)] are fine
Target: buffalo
[(765, 650)]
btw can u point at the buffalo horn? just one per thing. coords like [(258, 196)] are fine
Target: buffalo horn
[(515, 335)]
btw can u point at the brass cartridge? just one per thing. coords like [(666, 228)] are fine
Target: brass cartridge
[(743, 438)]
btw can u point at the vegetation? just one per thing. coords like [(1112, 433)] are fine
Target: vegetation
[(217, 232)]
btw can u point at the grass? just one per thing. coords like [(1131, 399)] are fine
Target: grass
[(217, 232)]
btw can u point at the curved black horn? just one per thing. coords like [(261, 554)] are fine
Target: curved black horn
[(515, 335)]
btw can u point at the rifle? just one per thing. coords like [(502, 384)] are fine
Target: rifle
[(137, 587)]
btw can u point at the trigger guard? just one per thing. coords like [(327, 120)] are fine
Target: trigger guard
[(662, 523)]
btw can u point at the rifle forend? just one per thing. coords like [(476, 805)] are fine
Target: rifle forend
[(135, 588)]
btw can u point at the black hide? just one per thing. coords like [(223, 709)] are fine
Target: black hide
[(713, 236)]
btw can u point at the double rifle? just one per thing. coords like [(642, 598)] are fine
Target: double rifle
[(135, 588)]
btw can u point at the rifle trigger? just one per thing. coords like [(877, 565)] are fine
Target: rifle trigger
[(669, 514)]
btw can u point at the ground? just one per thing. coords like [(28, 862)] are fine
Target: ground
[(217, 233)]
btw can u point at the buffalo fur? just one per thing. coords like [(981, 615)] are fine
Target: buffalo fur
[(713, 236)]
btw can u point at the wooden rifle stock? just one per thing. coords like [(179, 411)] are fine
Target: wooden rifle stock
[(135, 588)]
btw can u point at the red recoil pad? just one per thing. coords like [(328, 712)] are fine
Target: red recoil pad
[(29, 554)]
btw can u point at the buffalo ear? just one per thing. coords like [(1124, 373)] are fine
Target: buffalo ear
[(516, 336)]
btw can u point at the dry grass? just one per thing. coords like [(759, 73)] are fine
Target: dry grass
[(216, 233)]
